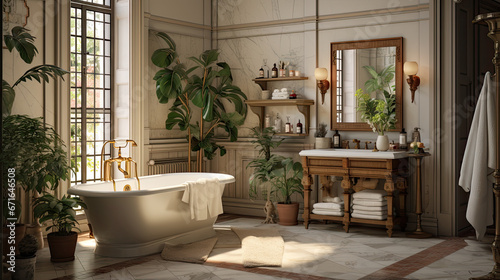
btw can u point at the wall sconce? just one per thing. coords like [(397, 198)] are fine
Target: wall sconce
[(321, 74), (411, 69)]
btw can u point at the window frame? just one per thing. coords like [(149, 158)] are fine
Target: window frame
[(101, 8)]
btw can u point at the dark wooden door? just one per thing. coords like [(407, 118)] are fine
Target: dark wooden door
[(474, 52)]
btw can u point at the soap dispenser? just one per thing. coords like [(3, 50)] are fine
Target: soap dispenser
[(336, 139), (402, 139), (415, 136)]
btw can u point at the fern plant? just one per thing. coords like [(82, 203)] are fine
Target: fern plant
[(23, 42)]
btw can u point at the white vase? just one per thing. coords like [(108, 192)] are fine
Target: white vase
[(323, 142), (382, 143)]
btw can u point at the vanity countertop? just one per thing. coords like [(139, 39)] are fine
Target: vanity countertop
[(354, 153)]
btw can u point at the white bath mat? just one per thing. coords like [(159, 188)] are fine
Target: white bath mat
[(261, 246)]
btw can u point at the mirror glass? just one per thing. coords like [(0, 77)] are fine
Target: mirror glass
[(356, 66)]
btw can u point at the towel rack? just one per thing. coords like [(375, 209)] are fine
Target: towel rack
[(493, 22)]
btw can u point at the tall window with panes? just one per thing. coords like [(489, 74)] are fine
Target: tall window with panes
[(91, 86)]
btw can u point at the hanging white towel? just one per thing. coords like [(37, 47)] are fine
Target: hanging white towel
[(479, 160), (204, 198)]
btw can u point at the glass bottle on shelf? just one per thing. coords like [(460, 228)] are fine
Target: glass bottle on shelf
[(288, 125), (403, 139), (261, 72), (298, 128), (277, 123), (266, 69), (274, 72)]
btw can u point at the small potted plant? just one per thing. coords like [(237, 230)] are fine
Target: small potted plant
[(26, 260), (62, 240), (379, 111), (321, 141), (263, 166), (287, 181)]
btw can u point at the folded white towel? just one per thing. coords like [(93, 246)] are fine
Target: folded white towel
[(370, 194), (369, 208), (369, 202), (374, 213), (332, 199), (328, 212), (275, 98), (370, 217), (328, 205), (204, 198)]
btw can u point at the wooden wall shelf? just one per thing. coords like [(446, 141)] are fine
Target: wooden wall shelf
[(262, 82), (303, 105)]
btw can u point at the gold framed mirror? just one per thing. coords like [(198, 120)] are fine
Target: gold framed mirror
[(349, 72)]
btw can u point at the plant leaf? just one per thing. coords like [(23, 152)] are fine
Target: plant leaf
[(42, 72), (23, 42)]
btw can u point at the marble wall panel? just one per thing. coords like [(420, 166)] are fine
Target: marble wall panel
[(231, 12)]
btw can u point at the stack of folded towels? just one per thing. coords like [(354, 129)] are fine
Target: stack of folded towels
[(280, 94), (332, 206), (369, 204)]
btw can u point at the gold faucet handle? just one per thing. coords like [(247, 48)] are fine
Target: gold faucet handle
[(366, 144), (345, 144)]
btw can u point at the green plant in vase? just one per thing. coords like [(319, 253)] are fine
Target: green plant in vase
[(380, 111)]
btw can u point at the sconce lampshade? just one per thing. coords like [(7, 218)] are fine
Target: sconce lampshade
[(321, 74), (410, 68)]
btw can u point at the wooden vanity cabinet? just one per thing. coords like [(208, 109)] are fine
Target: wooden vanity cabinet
[(393, 171)]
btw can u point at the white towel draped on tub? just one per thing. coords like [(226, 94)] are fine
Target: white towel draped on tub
[(479, 160), (204, 198)]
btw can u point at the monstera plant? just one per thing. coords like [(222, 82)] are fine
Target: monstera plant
[(23, 42), (205, 89)]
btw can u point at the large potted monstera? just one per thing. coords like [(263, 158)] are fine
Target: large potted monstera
[(200, 98)]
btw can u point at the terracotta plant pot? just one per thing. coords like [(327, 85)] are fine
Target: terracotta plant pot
[(288, 213), (62, 247)]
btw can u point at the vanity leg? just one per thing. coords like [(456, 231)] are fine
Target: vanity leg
[(402, 188), (389, 188), (347, 186), (307, 182)]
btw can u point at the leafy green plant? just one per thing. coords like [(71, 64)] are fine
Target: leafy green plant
[(379, 113), (23, 42), (37, 154), (28, 246), (278, 176), (207, 94), (288, 180), (60, 211), (321, 132), (265, 163)]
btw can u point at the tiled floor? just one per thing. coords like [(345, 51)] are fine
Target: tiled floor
[(324, 251)]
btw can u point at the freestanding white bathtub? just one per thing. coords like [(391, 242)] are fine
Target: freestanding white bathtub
[(139, 222)]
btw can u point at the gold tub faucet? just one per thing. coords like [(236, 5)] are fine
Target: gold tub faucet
[(106, 171)]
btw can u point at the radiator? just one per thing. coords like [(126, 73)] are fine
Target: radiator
[(173, 165)]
